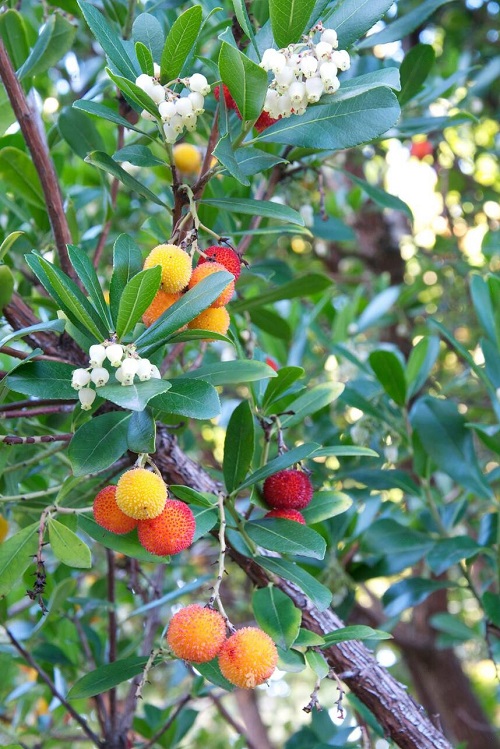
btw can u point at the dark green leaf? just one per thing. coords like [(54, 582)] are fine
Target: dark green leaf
[(224, 153), (253, 161), (43, 379), (353, 18), (147, 30), (106, 164), (87, 275), (232, 372), (286, 460), (388, 77), (320, 596), (383, 198), (289, 19), (345, 451), (6, 285), (56, 326), (307, 285), (13, 33), (271, 323), (483, 305), (390, 373), (138, 155), (194, 399), (127, 544), (400, 546), (135, 93), (206, 518), (307, 639), (410, 592), (491, 603), (127, 262), (212, 673), (54, 41), (136, 298), (355, 632), (238, 446), (246, 81), (414, 70), (109, 40), (98, 443), (67, 547), (450, 551), (287, 537), (141, 435), (105, 113), (145, 60), (256, 208), (180, 42), (318, 663), (405, 25), (106, 677), (311, 401), (191, 496), (285, 377), (420, 362), (324, 505), (79, 132), (15, 555), (20, 177), (276, 614), (135, 397)]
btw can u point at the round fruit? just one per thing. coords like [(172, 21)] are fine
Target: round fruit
[(187, 158), (215, 319), (160, 303), (288, 490), (170, 532), (205, 270), (225, 256), (265, 120), (175, 266), (248, 658), (4, 528), (421, 148), (108, 515), (196, 634), (294, 515), (141, 494)]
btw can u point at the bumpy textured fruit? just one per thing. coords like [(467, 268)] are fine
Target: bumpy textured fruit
[(4, 528), (108, 515), (265, 120), (170, 532), (160, 303), (175, 266), (215, 319), (141, 494), (230, 102), (205, 270), (187, 158), (196, 634), (288, 490), (248, 658), (294, 515), (225, 256)]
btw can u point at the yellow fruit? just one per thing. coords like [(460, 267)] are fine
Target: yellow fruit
[(4, 528), (187, 158), (248, 658), (205, 270), (141, 494), (160, 303), (215, 319), (175, 266), (196, 634)]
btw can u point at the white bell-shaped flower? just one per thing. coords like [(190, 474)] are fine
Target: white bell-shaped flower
[(341, 59), (167, 109), (314, 89), (199, 83), (296, 92), (308, 66), (99, 376), (197, 101), (330, 37), (87, 397), (114, 354), (97, 354), (183, 106), (144, 370), (80, 378), (323, 51)]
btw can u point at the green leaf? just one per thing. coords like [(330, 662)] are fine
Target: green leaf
[(206, 518), (79, 132), (224, 153), (180, 41), (212, 673), (338, 125), (491, 603), (292, 661), (98, 443), (289, 19), (194, 399), (483, 305), (15, 555), (246, 81), (450, 551), (136, 298), (54, 41), (109, 40), (286, 460), (287, 537), (403, 26), (241, 13), (192, 496), (307, 639), (410, 592), (127, 262), (127, 544), (383, 198), (271, 323), (377, 307), (238, 446), (345, 451), (353, 18), (138, 155), (88, 276), (105, 113), (232, 372), (354, 632), (253, 161), (13, 33), (415, 68), (420, 363), (6, 285), (399, 547), (318, 663), (9, 240), (453, 627), (388, 77), (43, 379), (104, 162), (447, 441), (311, 401), (20, 177), (145, 59), (67, 547), (147, 30), (141, 434), (324, 505), (285, 377), (307, 285), (320, 596), (106, 677), (134, 93), (135, 397), (256, 208), (390, 373), (276, 614)]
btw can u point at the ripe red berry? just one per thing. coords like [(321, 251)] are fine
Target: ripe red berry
[(288, 490), (271, 363), (196, 634), (230, 102), (422, 148), (265, 120), (294, 515), (225, 256), (170, 532)]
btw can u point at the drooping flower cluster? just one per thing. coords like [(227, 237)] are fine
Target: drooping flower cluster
[(127, 363), (177, 111), (303, 73)]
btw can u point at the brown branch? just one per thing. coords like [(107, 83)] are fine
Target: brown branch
[(32, 403), (42, 411), (12, 439), (41, 159)]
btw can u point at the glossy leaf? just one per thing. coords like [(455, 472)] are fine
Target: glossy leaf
[(276, 614), (54, 41), (420, 363), (354, 632), (106, 677), (286, 460), (141, 434), (246, 81), (289, 19), (138, 156), (212, 673), (104, 112), (98, 443), (135, 397), (450, 551), (307, 285), (104, 162), (88, 276), (345, 451), (414, 70), (256, 208), (287, 537), (109, 40), (180, 41), (127, 544), (390, 373), (312, 401), (145, 59), (353, 18), (318, 663), (319, 594), (43, 379), (378, 307), (56, 326), (147, 30), (388, 77), (232, 372), (410, 592), (79, 132), (238, 446), (194, 399), (285, 377), (136, 298), (67, 547), (127, 262), (324, 505), (14, 36), (20, 176), (16, 554), (404, 25), (383, 198)]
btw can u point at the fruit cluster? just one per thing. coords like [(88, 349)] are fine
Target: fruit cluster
[(128, 365), (177, 111), (140, 500), (177, 276), (287, 492), (247, 658)]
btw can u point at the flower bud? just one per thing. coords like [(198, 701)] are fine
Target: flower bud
[(308, 66), (183, 106), (170, 133), (330, 37), (296, 92), (314, 89), (129, 367), (99, 376), (267, 58), (114, 354), (144, 370), (197, 101), (157, 93), (167, 109), (80, 378), (199, 84), (278, 63), (323, 51), (144, 82), (177, 124), (97, 354), (328, 72), (341, 59), (87, 397), (156, 70)]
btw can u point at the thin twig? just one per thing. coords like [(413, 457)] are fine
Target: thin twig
[(12, 439), (240, 730), (114, 194), (110, 556), (215, 597), (41, 411)]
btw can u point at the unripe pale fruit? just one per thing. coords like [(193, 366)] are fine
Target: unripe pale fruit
[(4, 528), (248, 658), (170, 532), (175, 266), (108, 515), (205, 270), (294, 515), (215, 319), (196, 634), (141, 494), (289, 489), (223, 255), (187, 158)]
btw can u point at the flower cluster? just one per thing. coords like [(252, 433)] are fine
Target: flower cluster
[(177, 111), (128, 365), (303, 73)]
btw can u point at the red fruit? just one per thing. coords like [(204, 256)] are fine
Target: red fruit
[(294, 515), (271, 363), (170, 532), (288, 490), (421, 149), (108, 515), (230, 102), (225, 256), (265, 120), (196, 634)]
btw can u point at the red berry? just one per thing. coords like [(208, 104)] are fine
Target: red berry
[(271, 363), (230, 102), (169, 533), (288, 490), (294, 515), (265, 120), (225, 256), (421, 149)]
